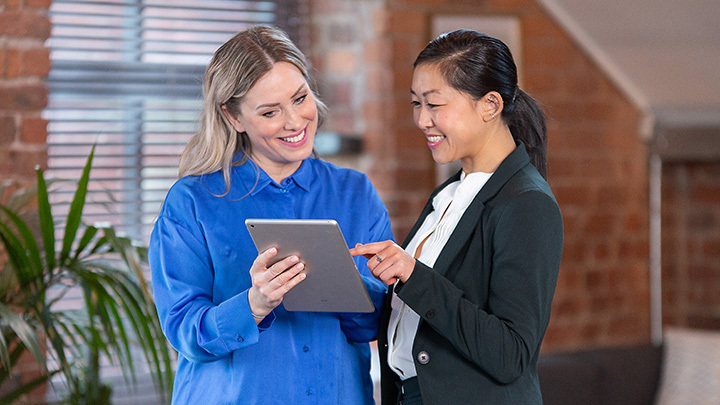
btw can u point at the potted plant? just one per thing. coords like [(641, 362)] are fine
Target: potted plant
[(117, 311)]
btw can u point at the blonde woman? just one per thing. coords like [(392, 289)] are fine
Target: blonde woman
[(219, 301)]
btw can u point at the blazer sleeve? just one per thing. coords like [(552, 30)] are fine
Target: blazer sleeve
[(502, 335)]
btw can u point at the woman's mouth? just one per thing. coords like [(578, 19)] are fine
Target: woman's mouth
[(434, 140), (295, 139)]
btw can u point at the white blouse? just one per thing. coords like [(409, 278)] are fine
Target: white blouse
[(437, 228)]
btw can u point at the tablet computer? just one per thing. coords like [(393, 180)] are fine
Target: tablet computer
[(333, 283)]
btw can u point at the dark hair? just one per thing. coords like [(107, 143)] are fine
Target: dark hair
[(476, 63)]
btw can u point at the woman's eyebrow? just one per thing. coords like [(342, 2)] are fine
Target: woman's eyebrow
[(424, 94), (277, 104)]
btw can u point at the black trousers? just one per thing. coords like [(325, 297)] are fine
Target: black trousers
[(409, 392)]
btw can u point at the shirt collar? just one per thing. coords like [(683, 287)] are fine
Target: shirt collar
[(256, 179), (461, 191)]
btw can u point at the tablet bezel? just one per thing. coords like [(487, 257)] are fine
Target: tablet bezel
[(333, 283)]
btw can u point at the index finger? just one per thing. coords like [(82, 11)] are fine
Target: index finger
[(368, 250)]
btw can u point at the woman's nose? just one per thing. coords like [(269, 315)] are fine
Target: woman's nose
[(423, 119), (294, 120)]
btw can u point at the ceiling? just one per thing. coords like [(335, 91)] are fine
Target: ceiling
[(663, 54)]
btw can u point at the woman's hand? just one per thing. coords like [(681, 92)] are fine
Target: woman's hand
[(270, 284), (387, 261)]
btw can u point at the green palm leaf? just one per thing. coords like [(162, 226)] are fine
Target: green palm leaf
[(76, 207), (24, 332), (47, 224)]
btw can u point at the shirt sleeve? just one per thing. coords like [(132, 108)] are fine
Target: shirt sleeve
[(364, 327), (500, 337), (182, 274)]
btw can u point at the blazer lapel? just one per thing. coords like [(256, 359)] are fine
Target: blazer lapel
[(515, 161), (428, 208)]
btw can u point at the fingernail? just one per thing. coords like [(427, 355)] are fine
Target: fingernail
[(293, 259), (300, 266)]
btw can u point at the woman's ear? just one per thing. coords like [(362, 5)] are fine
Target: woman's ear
[(491, 105), (232, 119)]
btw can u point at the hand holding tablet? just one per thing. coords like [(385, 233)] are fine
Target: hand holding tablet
[(272, 281)]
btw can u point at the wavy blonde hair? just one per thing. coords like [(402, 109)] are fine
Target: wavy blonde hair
[(234, 69)]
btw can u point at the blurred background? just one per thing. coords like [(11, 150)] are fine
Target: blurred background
[(630, 90)]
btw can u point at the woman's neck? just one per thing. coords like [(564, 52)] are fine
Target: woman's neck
[(499, 145)]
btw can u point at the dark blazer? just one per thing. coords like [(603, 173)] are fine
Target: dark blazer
[(485, 305)]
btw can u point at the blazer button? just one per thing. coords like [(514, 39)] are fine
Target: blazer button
[(430, 314), (423, 357)]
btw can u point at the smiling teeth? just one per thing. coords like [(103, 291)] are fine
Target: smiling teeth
[(433, 139), (294, 139)]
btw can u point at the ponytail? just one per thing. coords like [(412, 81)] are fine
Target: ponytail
[(526, 122)]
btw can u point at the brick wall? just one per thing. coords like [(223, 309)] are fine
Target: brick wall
[(691, 244), (24, 65)]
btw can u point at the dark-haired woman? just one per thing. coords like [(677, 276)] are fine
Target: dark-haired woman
[(473, 284)]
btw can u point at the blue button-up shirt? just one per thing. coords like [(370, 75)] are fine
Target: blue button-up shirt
[(200, 257)]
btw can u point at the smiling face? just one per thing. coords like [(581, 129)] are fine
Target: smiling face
[(453, 122), (280, 117)]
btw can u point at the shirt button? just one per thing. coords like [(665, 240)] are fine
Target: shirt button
[(423, 357), (239, 338), (306, 349), (283, 191), (308, 392)]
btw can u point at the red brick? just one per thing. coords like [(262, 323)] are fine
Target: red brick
[(712, 248), (34, 130), (3, 62), (402, 80), (12, 63), (8, 130), (24, 162), (44, 4), (408, 22), (574, 252), (35, 62), (707, 194), (600, 224), (23, 97), (568, 196), (26, 24)]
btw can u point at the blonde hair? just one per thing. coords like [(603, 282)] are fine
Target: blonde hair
[(234, 69)]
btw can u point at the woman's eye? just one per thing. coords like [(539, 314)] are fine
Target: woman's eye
[(300, 99), (415, 103), (433, 105), (269, 114)]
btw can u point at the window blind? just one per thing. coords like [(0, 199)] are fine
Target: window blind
[(126, 75)]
